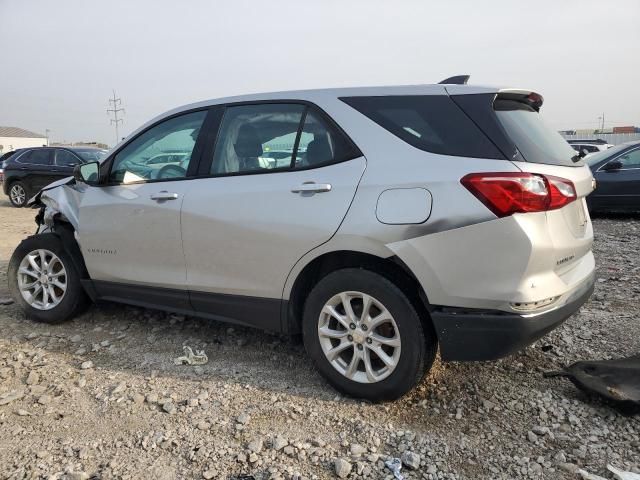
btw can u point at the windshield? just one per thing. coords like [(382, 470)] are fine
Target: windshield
[(537, 142), (92, 155), (598, 157)]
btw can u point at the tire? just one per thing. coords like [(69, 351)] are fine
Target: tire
[(70, 300), (18, 194), (416, 340)]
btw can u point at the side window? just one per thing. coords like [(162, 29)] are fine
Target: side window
[(37, 157), (433, 123), (255, 138), (320, 144), (630, 159), (66, 158), (162, 152)]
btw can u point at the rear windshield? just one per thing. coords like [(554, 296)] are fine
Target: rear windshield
[(433, 123), (536, 141)]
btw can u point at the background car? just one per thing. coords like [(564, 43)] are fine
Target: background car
[(617, 174), (588, 147), (30, 169)]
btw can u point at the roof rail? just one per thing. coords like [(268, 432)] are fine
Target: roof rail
[(457, 80)]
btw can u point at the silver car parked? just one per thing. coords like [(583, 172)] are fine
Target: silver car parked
[(403, 219)]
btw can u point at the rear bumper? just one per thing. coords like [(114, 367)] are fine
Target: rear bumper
[(468, 335)]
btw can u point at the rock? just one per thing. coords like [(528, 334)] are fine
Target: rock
[(342, 467), (44, 400), (33, 378), (22, 413), (243, 418), (82, 382), (203, 425), (76, 339), (279, 443), (169, 407), (11, 396), (138, 398), (152, 398), (121, 387), (410, 460), (6, 301), (357, 450), (86, 365), (253, 458), (532, 437), (209, 474), (77, 476), (255, 445)]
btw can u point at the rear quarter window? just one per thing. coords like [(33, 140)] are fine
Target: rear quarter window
[(433, 123)]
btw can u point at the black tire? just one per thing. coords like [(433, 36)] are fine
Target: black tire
[(19, 185), (74, 299), (418, 339)]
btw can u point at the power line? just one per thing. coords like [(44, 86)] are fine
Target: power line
[(117, 108)]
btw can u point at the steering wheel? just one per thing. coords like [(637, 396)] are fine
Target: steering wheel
[(172, 171)]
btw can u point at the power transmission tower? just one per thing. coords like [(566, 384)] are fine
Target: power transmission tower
[(116, 103)]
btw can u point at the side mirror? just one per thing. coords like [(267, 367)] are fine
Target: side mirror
[(87, 173), (612, 166)]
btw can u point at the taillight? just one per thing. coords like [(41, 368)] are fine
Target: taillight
[(506, 193)]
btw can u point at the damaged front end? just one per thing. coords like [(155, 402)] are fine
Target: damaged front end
[(59, 201)]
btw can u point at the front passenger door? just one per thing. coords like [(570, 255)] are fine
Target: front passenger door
[(64, 163), (130, 227)]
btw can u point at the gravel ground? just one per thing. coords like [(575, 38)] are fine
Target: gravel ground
[(100, 397)]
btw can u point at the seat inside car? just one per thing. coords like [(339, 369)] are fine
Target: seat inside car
[(318, 151), (248, 148)]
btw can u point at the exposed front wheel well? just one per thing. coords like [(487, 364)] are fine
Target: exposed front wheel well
[(392, 268)]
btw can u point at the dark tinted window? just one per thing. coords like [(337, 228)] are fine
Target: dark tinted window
[(66, 158), (36, 157), (537, 142), (320, 144), (433, 123)]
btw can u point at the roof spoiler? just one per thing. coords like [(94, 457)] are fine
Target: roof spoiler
[(457, 80), (531, 98)]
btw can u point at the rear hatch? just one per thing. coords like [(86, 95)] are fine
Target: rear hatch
[(512, 121)]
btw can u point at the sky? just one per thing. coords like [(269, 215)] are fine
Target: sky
[(61, 60)]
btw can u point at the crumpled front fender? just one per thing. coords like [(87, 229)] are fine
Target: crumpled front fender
[(61, 200)]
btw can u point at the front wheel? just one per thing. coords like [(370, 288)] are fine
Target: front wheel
[(365, 336), (44, 281)]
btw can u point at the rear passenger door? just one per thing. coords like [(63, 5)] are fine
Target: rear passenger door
[(275, 182)]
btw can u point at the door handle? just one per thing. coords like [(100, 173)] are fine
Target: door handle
[(164, 195), (312, 187)]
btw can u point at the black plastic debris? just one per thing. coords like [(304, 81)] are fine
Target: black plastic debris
[(616, 381)]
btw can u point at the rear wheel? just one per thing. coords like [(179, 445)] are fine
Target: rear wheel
[(18, 194), (365, 336), (43, 280)]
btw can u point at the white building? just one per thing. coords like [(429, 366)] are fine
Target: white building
[(13, 137)]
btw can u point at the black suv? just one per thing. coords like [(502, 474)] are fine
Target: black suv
[(30, 169)]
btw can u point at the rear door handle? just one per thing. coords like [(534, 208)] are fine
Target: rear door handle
[(164, 195), (312, 187)]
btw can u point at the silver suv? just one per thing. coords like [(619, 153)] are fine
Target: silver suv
[(401, 219)]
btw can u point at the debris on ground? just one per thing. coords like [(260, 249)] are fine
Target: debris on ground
[(190, 358), (395, 465), (617, 474), (617, 381), (6, 301)]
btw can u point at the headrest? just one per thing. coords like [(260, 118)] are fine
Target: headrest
[(248, 143)]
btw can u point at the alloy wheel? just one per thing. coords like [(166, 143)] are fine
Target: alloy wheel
[(42, 279), (359, 337), (18, 194)]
